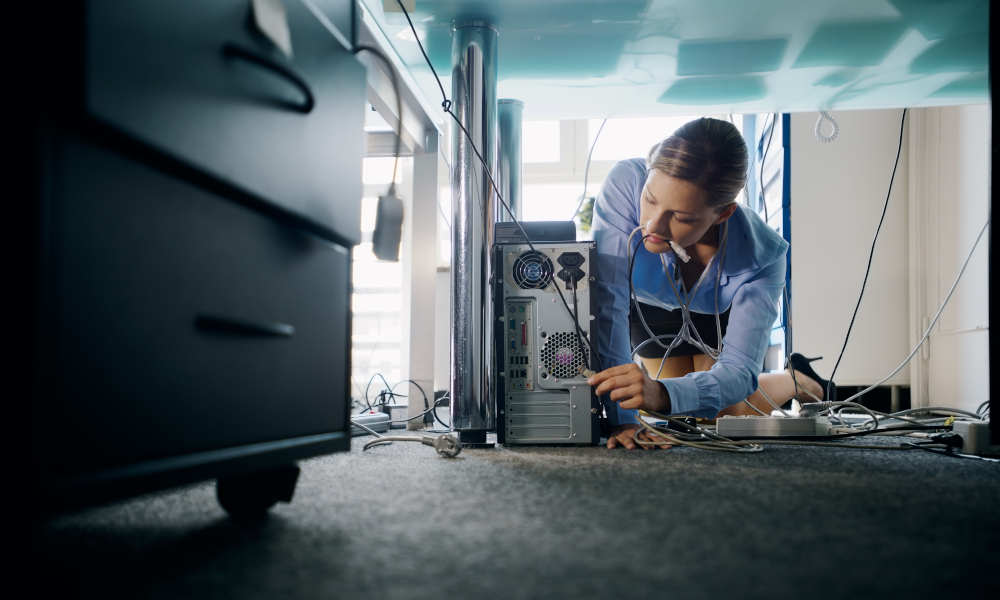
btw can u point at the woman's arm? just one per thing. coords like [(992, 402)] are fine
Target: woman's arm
[(734, 377)]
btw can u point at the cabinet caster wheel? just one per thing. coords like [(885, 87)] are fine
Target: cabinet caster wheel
[(249, 496)]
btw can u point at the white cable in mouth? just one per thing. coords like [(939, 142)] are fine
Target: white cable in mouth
[(681, 254)]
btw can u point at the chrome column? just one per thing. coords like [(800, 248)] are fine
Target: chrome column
[(474, 97), (509, 165)]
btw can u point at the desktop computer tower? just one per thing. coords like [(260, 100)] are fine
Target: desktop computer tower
[(541, 341)]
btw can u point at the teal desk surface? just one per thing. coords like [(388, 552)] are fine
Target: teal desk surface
[(600, 58)]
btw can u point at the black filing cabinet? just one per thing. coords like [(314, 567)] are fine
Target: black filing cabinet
[(195, 195)]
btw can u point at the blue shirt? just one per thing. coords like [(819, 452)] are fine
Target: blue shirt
[(753, 276)]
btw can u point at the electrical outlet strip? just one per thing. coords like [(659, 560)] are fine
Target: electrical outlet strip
[(975, 437), (397, 413), (374, 420), (753, 426)]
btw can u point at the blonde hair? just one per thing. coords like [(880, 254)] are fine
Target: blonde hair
[(709, 153)]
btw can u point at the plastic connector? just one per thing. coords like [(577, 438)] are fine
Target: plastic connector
[(571, 273), (680, 252)]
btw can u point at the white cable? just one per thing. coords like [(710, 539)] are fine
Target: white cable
[(755, 409), (586, 170), (933, 322), (825, 116), (828, 407), (687, 324)]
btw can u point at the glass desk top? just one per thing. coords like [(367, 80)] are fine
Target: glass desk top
[(600, 58)]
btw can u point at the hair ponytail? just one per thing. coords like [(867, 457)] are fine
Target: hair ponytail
[(709, 153)]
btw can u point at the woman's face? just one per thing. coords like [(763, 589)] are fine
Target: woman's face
[(675, 210)]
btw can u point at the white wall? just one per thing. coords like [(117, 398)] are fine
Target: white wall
[(949, 204), (837, 194)]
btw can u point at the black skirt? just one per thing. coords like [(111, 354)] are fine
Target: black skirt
[(662, 321)]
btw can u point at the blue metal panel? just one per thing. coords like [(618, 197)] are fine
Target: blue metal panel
[(786, 215)]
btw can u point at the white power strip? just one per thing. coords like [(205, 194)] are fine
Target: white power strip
[(374, 420), (753, 426), (397, 414), (975, 437)]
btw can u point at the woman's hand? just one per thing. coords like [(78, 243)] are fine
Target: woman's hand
[(631, 388), (622, 435)]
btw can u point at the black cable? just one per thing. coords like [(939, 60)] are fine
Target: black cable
[(763, 159), (429, 409), (576, 318), (631, 288), (436, 417), (368, 387), (932, 450), (871, 254), (446, 105), (426, 403), (399, 107), (395, 165)]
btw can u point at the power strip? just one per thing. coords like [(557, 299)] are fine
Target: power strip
[(397, 414), (975, 437), (374, 420), (753, 426)]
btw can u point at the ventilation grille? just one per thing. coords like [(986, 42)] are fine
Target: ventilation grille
[(532, 271), (562, 357)]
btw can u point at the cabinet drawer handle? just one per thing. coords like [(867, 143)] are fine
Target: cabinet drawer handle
[(214, 324), (233, 51)]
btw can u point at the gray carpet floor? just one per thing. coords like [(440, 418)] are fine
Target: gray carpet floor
[(544, 522)]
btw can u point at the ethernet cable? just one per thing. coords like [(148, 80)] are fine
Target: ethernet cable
[(586, 169), (933, 321), (871, 254), (687, 325), (920, 343)]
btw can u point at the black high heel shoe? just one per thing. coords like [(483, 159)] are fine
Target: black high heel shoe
[(801, 364)]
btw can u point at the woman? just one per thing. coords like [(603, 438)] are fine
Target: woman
[(701, 254)]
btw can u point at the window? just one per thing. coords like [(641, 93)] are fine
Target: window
[(630, 138), (376, 301), (540, 141), (555, 160)]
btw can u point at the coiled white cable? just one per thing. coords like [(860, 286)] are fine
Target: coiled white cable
[(825, 116)]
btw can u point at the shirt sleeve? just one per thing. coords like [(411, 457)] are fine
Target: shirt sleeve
[(734, 377), (614, 219)]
